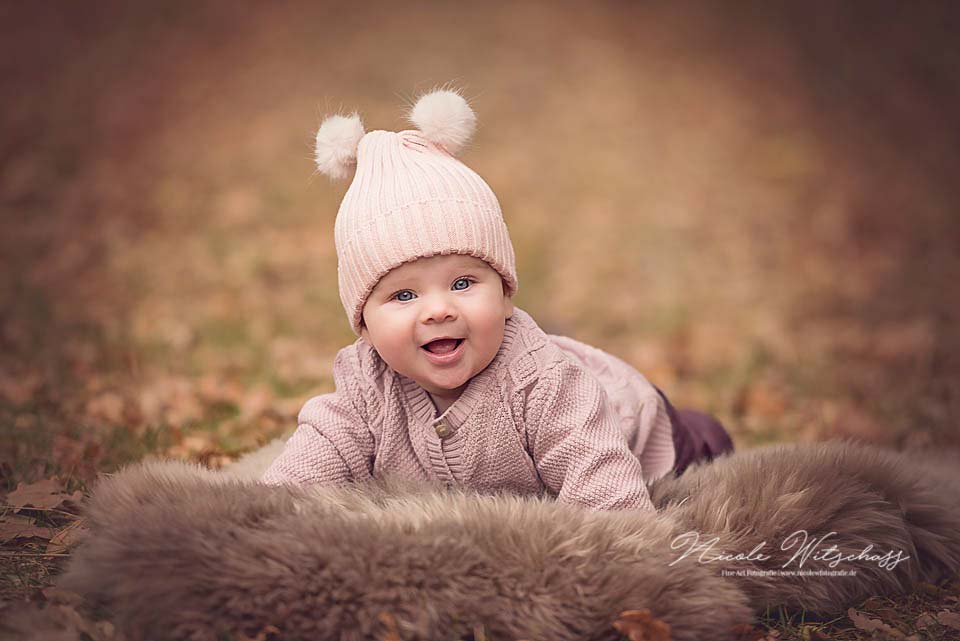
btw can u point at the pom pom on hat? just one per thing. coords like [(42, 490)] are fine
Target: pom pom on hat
[(444, 118), (337, 141)]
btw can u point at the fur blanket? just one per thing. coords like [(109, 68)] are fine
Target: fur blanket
[(178, 552)]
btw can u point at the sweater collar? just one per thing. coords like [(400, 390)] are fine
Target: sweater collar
[(477, 388)]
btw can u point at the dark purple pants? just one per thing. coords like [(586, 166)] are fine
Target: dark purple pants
[(696, 436)]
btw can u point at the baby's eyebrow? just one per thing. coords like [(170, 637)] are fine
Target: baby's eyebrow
[(398, 282), (460, 268)]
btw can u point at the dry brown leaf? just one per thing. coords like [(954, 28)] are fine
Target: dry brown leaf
[(108, 406), (865, 623), (930, 588), (392, 632), (256, 402), (640, 625), (857, 423), (192, 445), (96, 630), (763, 399), (810, 633), (67, 538), (949, 619), (746, 632), (80, 458), (19, 389), (875, 602), (267, 632), (174, 401), (925, 620), (183, 410), (213, 389), (45, 494), (54, 594), (21, 527), (903, 340)]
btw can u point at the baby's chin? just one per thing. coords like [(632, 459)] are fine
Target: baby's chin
[(446, 388)]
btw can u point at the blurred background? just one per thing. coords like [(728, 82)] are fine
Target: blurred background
[(755, 204)]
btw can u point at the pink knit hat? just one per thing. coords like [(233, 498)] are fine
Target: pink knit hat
[(410, 198)]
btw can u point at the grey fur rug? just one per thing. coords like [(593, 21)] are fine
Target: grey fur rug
[(178, 552)]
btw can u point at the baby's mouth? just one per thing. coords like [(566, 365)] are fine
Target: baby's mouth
[(443, 345)]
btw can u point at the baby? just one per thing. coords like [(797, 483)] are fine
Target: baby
[(448, 380)]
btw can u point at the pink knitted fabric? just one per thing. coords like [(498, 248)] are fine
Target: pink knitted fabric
[(549, 414), (409, 199)]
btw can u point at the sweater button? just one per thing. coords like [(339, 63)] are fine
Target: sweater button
[(443, 430)]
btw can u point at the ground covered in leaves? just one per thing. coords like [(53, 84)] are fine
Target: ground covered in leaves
[(755, 206)]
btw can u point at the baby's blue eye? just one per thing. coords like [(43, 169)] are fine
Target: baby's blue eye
[(399, 294), (464, 280)]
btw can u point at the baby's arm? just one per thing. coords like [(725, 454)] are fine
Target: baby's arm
[(325, 448), (332, 444), (577, 445)]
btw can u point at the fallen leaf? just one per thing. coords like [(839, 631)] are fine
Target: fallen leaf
[(213, 389), (640, 625), (857, 423), (256, 402), (746, 632), (173, 401), (390, 622), (762, 399), (21, 527), (67, 538), (19, 389), (192, 445), (949, 619), (54, 594), (903, 340), (108, 407), (925, 620), (875, 602), (811, 633), (78, 457), (45, 494), (214, 460), (267, 632), (96, 630), (865, 623), (930, 588)]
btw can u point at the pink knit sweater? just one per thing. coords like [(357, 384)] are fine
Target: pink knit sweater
[(549, 414)]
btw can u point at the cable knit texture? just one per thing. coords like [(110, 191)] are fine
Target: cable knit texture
[(409, 199), (548, 415)]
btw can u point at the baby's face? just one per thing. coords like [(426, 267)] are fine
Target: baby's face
[(454, 295)]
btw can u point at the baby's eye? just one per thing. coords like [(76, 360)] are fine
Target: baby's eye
[(461, 280), (399, 295)]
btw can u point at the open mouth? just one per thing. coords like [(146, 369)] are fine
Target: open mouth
[(442, 346)]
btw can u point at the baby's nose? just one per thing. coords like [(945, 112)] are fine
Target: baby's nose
[(439, 308)]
